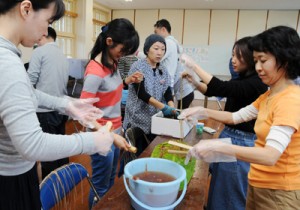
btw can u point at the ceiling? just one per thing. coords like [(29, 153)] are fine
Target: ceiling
[(203, 4)]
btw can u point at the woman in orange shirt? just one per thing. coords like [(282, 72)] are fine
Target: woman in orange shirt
[(274, 177)]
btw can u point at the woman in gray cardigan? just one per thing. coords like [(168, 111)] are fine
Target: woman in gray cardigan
[(22, 141)]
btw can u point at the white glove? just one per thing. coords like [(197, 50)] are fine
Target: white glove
[(193, 114), (83, 110), (211, 151), (189, 72), (193, 79), (188, 62), (103, 140)]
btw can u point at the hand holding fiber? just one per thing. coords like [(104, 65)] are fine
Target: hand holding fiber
[(193, 114), (188, 62), (136, 77), (103, 140), (119, 141), (213, 150)]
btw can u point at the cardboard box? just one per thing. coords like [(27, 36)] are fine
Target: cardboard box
[(169, 127)]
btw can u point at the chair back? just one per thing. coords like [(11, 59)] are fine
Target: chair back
[(59, 183)]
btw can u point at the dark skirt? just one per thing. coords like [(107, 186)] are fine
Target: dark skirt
[(20, 192)]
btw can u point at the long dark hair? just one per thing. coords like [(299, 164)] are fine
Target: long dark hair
[(7, 5), (284, 44), (121, 31), (245, 54)]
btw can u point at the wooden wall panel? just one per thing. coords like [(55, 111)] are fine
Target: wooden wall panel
[(175, 17), (223, 27), (251, 22), (144, 24), (129, 14), (282, 17), (196, 27)]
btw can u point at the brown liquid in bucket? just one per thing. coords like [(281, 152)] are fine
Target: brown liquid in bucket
[(154, 176)]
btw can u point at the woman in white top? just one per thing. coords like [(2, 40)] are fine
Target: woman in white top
[(22, 141)]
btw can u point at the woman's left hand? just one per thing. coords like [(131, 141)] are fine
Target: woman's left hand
[(120, 142), (187, 76), (83, 110)]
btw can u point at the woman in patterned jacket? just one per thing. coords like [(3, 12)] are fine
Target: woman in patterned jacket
[(153, 93)]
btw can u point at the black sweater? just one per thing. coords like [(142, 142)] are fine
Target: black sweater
[(240, 93)]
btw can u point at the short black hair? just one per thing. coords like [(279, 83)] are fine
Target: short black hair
[(51, 33), (283, 43), (163, 23)]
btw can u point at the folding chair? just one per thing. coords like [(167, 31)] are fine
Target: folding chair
[(56, 186)]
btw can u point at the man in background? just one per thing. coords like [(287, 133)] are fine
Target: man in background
[(183, 91), (49, 72)]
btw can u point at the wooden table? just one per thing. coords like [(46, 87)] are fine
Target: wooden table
[(118, 198)]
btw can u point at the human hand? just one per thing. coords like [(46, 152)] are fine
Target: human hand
[(83, 110), (187, 76), (212, 150), (103, 140), (136, 77), (121, 142), (188, 62), (193, 114), (169, 111), (191, 78)]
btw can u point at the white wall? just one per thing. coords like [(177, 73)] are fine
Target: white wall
[(251, 22), (196, 27), (142, 18), (129, 14)]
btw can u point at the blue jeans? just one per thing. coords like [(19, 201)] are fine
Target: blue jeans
[(229, 181), (124, 96), (104, 171)]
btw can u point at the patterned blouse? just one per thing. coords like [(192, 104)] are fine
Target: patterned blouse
[(156, 82)]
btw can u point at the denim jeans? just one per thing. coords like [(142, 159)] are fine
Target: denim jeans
[(229, 182), (104, 171)]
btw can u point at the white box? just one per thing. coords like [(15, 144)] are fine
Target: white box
[(169, 127)]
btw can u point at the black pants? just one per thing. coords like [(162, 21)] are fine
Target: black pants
[(20, 191), (54, 123), (186, 101)]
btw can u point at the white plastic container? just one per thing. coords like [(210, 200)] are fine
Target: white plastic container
[(169, 127), (154, 196)]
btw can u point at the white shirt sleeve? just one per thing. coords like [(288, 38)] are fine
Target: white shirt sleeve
[(279, 137), (245, 114)]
